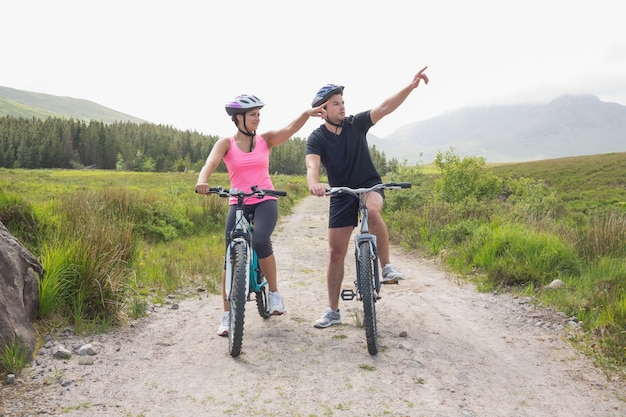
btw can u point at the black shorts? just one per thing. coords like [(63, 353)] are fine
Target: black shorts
[(344, 210)]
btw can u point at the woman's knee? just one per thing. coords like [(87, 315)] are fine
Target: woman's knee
[(263, 249)]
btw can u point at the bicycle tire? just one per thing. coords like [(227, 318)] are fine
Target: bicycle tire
[(237, 297), (366, 288), (262, 303)]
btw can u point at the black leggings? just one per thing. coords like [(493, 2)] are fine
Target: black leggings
[(265, 216)]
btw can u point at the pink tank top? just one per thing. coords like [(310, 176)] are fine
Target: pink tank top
[(246, 169)]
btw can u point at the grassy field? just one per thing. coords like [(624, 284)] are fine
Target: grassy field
[(147, 235), (534, 223), (583, 182), (511, 227)]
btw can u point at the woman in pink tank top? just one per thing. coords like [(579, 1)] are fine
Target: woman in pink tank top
[(246, 155)]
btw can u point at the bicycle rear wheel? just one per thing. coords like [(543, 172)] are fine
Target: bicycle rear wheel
[(238, 297), (262, 303), (366, 289)]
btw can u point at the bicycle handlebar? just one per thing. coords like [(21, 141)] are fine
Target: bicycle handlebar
[(225, 192), (383, 186)]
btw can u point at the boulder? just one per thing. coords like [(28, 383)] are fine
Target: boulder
[(19, 293)]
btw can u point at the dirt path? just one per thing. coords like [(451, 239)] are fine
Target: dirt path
[(465, 354)]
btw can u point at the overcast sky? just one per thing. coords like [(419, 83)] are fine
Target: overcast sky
[(177, 62)]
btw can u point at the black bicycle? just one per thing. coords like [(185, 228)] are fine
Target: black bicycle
[(367, 271), (243, 273)]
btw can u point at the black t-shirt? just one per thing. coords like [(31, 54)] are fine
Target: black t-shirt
[(346, 157)]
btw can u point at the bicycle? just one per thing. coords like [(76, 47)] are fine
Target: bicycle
[(367, 281), (243, 273)]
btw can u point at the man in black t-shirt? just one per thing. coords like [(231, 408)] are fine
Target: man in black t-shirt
[(340, 145)]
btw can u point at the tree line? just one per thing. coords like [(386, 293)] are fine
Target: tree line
[(74, 144)]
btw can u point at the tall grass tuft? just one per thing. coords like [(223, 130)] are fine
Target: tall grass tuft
[(13, 357), (512, 255), (92, 262), (57, 277), (604, 234)]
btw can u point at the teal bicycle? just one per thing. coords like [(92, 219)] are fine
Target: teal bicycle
[(243, 273), (367, 272)]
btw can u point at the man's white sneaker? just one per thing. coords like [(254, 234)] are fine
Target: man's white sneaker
[(329, 317), (224, 325), (277, 306), (391, 274)]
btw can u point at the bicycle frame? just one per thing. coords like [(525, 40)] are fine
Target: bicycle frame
[(242, 234), (255, 280), (367, 280)]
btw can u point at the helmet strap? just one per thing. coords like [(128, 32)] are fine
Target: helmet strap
[(245, 132), (334, 124)]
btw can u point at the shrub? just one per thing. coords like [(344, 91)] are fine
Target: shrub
[(531, 201), (465, 178)]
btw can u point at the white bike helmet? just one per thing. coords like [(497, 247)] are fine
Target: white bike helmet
[(242, 104)]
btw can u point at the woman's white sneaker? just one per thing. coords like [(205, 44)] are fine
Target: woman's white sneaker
[(222, 330), (277, 306)]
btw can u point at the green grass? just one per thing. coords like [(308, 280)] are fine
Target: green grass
[(512, 255), (582, 182), (113, 241), (562, 218), (13, 357)]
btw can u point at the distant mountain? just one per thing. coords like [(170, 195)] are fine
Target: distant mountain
[(566, 126), (20, 103)]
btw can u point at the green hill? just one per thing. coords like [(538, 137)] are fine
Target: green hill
[(27, 104), (582, 181)]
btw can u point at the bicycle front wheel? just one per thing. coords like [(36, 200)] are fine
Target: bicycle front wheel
[(238, 297), (366, 289)]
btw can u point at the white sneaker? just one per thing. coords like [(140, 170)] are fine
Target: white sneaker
[(391, 274), (329, 317), (277, 307), (224, 325)]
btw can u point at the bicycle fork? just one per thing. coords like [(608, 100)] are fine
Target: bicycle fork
[(349, 294), (229, 265)]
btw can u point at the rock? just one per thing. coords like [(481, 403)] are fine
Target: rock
[(557, 283), (19, 293), (87, 350), (62, 353)]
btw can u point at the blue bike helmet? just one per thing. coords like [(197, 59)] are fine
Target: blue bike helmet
[(325, 92), (242, 104)]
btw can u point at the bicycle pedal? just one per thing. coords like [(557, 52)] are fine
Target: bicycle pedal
[(392, 281), (348, 295)]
